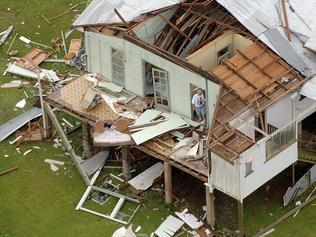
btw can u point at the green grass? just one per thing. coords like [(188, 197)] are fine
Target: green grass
[(34, 201)]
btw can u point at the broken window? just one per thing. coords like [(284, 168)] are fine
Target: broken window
[(148, 80), (118, 70), (249, 169), (222, 55), (280, 141), (161, 90)]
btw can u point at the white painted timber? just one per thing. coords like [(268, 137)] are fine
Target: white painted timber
[(145, 179), (182, 143), (44, 74), (147, 117), (189, 219), (117, 207), (193, 150), (169, 227), (55, 162), (110, 86), (264, 170), (154, 131), (99, 49), (21, 104), (53, 167), (224, 176)]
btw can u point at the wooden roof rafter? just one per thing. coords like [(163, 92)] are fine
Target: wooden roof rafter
[(265, 77)]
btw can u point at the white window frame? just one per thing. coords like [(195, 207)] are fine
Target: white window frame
[(248, 168), (158, 77), (224, 56), (118, 68)]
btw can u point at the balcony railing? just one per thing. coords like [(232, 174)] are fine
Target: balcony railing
[(280, 141)]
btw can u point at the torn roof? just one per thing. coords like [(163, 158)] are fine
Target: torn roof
[(242, 91), (262, 18), (100, 12)]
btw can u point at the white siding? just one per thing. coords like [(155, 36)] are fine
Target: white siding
[(225, 176), (179, 77), (263, 170), (304, 107), (280, 113), (99, 51)]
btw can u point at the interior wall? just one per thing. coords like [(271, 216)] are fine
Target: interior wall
[(280, 113), (99, 61), (150, 28), (206, 57), (240, 43)]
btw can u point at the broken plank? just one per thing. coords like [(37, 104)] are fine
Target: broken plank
[(161, 128), (74, 46), (55, 162), (169, 227), (6, 35), (189, 219), (88, 98), (110, 86), (144, 180), (147, 117)]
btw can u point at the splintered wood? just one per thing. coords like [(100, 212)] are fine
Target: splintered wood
[(72, 94), (159, 147), (194, 25), (242, 90), (32, 59)]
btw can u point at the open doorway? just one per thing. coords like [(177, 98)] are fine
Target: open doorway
[(156, 84), (307, 133), (193, 91)]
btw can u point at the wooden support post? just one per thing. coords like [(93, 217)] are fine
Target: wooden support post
[(286, 21), (240, 218), (125, 23), (86, 140), (168, 182), (293, 174), (66, 142), (126, 163), (210, 207), (47, 126)]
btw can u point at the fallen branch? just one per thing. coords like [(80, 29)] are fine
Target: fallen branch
[(8, 171)]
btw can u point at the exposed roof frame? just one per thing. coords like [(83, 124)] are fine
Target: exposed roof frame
[(172, 58)]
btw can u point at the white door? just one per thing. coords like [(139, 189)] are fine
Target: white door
[(161, 90)]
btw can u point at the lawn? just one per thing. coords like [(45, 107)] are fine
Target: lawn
[(34, 201)]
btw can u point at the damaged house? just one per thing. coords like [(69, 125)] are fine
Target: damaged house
[(146, 59)]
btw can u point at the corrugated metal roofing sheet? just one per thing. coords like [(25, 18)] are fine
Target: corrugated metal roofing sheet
[(14, 124), (101, 11), (261, 16)]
